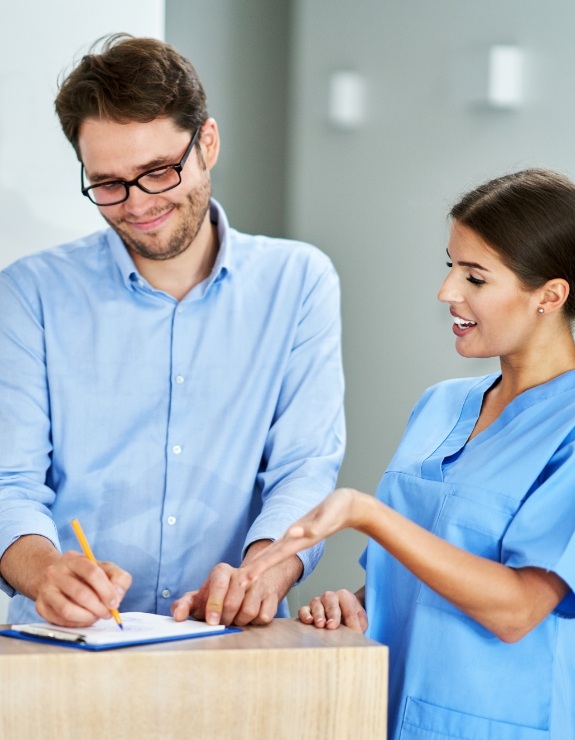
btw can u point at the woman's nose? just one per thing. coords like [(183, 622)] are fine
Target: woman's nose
[(449, 292)]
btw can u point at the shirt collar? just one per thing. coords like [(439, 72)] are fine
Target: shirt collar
[(223, 259)]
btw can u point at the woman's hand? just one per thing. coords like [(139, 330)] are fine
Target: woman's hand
[(337, 511), (334, 608)]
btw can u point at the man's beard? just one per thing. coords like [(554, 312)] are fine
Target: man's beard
[(192, 213)]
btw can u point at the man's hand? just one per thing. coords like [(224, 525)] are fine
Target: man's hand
[(69, 590), (75, 592), (227, 598)]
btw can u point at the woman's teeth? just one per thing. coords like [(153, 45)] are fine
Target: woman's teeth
[(463, 323)]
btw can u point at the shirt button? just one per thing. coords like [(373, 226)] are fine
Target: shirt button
[(141, 283), (171, 520), (166, 594), (179, 309), (176, 449), (179, 379)]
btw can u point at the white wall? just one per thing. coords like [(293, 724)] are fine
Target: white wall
[(40, 200)]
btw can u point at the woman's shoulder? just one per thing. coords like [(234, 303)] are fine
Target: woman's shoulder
[(455, 388)]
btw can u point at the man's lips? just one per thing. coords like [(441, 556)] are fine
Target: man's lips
[(150, 224)]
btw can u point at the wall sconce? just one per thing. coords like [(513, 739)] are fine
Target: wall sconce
[(505, 88), (346, 100)]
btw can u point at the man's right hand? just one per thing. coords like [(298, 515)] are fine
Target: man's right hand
[(69, 590)]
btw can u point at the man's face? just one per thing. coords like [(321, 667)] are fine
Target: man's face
[(156, 227)]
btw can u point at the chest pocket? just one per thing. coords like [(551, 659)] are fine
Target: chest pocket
[(424, 721), (474, 519)]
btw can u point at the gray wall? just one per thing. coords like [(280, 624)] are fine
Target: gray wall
[(376, 199), (240, 51)]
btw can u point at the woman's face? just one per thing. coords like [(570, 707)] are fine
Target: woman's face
[(493, 314)]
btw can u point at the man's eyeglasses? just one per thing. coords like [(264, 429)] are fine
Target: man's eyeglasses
[(155, 181)]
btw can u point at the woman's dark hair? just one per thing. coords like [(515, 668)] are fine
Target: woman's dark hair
[(131, 79), (528, 218)]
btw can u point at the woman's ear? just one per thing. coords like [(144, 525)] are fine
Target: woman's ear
[(553, 295)]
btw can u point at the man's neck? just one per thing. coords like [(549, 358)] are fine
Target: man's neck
[(179, 275)]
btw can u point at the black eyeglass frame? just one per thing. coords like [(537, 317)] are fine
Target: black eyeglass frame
[(136, 181)]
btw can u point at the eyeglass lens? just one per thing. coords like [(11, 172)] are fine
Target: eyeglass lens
[(153, 182)]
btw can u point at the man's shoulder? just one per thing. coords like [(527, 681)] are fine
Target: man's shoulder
[(277, 252), (74, 255)]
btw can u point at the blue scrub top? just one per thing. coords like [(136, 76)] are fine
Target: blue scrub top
[(507, 495)]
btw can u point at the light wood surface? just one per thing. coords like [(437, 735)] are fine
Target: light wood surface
[(285, 680)]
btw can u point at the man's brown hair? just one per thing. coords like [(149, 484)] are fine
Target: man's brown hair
[(131, 79)]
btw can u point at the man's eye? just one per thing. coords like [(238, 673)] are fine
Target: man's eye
[(110, 186), (158, 174)]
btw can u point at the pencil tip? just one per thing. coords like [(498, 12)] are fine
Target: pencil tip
[(121, 626)]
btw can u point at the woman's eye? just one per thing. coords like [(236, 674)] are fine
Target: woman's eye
[(475, 281), (449, 264)]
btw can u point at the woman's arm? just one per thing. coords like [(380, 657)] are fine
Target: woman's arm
[(507, 601)]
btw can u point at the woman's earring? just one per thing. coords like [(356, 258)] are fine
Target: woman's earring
[(540, 310)]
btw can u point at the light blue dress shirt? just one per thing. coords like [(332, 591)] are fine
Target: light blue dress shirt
[(177, 432), (507, 495)]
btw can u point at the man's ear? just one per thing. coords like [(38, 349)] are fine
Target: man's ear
[(210, 142), (553, 295)]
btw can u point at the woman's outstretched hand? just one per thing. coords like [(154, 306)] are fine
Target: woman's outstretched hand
[(337, 511)]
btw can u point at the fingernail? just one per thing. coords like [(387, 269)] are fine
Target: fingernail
[(212, 618)]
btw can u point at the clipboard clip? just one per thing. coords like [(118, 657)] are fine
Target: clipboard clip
[(51, 633)]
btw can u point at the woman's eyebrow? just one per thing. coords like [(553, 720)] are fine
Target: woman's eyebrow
[(475, 265)]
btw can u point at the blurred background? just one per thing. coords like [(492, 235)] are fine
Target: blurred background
[(353, 128)]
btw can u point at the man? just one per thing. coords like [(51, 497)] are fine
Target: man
[(170, 382)]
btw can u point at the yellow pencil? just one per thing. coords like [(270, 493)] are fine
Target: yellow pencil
[(85, 545)]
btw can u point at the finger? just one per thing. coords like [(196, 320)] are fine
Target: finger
[(318, 612), (76, 579), (120, 578), (352, 613), (268, 610), (304, 615), (71, 603), (331, 605), (184, 607), (218, 585), (257, 607)]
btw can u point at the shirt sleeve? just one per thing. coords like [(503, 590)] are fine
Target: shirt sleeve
[(25, 446), (305, 444), (542, 534)]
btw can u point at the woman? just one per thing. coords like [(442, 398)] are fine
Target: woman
[(470, 566)]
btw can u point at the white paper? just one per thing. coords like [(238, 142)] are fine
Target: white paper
[(138, 627)]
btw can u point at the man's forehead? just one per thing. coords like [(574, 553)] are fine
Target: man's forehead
[(109, 147)]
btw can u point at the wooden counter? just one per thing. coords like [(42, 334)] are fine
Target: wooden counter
[(285, 680)]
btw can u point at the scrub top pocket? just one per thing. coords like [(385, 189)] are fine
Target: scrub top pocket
[(425, 721)]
